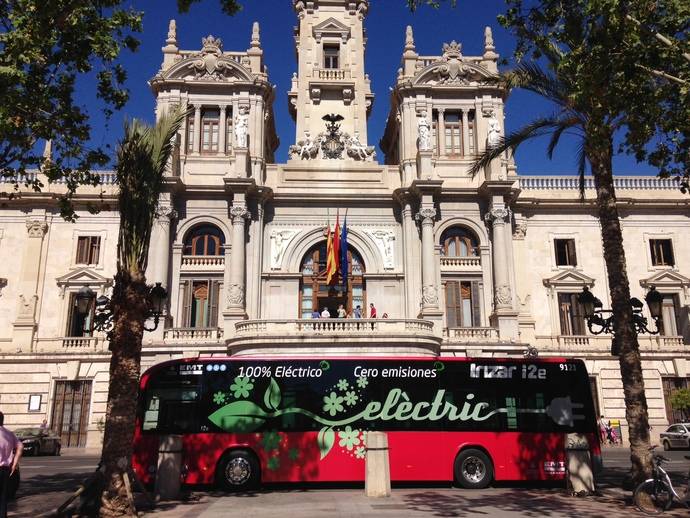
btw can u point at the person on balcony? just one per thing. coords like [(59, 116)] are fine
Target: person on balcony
[(325, 313), (341, 311)]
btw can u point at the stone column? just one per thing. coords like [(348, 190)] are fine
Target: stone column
[(441, 132), (235, 290), (409, 251), (24, 326), (465, 133), (429, 289), (196, 145), (223, 129)]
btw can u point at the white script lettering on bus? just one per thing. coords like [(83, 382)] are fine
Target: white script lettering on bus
[(530, 371)]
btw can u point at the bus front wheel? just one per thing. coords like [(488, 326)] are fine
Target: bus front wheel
[(473, 469), (238, 470)]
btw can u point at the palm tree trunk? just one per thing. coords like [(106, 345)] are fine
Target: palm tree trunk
[(600, 152), (129, 305)]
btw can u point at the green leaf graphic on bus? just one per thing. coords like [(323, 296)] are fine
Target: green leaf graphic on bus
[(272, 395), (325, 440), (239, 417)]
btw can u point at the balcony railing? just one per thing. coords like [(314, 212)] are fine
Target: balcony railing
[(333, 326), (461, 263), (71, 344), (601, 343), (193, 334), (331, 74), (470, 334), (203, 262), (572, 183)]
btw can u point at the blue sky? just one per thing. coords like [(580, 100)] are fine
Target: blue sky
[(385, 26)]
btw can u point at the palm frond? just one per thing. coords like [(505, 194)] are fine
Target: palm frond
[(581, 168), (530, 76), (568, 123), (536, 128)]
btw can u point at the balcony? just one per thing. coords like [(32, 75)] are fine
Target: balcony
[(71, 345), (574, 344), (192, 335), (470, 334), (202, 262), (454, 264), (335, 336), (331, 74)]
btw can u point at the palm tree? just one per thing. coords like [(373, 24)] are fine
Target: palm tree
[(142, 158), (585, 117)]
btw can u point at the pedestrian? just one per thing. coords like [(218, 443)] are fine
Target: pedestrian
[(602, 429), (372, 310), (341, 311), (358, 312), (44, 425), (325, 313), (10, 454), (610, 434)]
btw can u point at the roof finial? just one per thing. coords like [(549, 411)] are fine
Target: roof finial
[(488, 40), (409, 39), (256, 35), (172, 33), (48, 151)]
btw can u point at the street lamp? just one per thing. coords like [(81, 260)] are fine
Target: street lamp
[(155, 301), (598, 324), (84, 297)]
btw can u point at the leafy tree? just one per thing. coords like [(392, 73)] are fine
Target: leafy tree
[(680, 400), (142, 158), (591, 52)]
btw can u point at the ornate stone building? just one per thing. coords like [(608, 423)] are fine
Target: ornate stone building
[(482, 265)]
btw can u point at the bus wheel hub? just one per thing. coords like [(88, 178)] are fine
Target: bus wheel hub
[(238, 471), (473, 469)]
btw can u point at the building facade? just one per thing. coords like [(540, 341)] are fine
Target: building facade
[(482, 265)]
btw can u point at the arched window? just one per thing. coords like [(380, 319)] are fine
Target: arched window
[(316, 294), (459, 242), (204, 240)]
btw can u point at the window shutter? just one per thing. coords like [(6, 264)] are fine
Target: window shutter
[(564, 313), (572, 258), (578, 315), (476, 311), (451, 303), (70, 316), (82, 250), (213, 303), (187, 304), (95, 249)]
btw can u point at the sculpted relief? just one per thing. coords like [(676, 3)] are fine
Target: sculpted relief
[(280, 239), (333, 144), (384, 240)]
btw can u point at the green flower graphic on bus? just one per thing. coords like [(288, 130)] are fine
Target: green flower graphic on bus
[(342, 408)]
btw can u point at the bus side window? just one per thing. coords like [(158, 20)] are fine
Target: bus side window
[(171, 410)]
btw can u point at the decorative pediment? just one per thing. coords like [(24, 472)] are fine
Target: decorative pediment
[(83, 277), (451, 70), (211, 63), (666, 279), (569, 278), (331, 27)]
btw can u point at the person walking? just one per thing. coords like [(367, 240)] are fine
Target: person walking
[(602, 430), (10, 454)]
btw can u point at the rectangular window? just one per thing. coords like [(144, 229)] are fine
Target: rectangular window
[(572, 315), (228, 132), (88, 249), (669, 386), (462, 304), (80, 320), (470, 131), (331, 55), (452, 140), (201, 303), (190, 134), (670, 325), (662, 252), (210, 119), (565, 252)]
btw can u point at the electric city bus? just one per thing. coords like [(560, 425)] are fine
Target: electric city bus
[(472, 421)]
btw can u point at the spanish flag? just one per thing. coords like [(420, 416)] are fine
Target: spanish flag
[(336, 242), (331, 268)]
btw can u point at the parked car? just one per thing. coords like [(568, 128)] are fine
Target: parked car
[(38, 441), (676, 436)]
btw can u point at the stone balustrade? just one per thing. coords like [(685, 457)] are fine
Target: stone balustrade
[(105, 178), (575, 344), (203, 262), (331, 74), (334, 326), (71, 345), (470, 334), (461, 263), (192, 334), (573, 183)]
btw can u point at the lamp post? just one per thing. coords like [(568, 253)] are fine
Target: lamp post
[(103, 319), (598, 323)]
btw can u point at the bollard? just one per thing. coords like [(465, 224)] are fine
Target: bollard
[(377, 477), (579, 463), (169, 467)]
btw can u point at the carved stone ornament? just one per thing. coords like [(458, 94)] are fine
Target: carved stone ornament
[(239, 213), (305, 149), (452, 69), (423, 133), (385, 242), (430, 296), (332, 145), (426, 215), (209, 64), (235, 295), (503, 295), (242, 127), (520, 230), (27, 307), (356, 150), (36, 227), (493, 136), (280, 239), (497, 215)]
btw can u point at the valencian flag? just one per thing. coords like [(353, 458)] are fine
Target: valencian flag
[(343, 254), (331, 268)]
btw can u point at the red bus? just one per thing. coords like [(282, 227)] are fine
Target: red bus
[(472, 421)]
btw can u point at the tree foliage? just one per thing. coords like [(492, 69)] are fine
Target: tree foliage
[(680, 400)]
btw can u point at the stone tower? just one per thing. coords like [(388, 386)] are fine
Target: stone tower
[(330, 42)]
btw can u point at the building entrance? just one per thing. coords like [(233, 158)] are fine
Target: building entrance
[(70, 416)]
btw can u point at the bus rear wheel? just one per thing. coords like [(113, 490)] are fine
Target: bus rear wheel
[(473, 469), (238, 470)]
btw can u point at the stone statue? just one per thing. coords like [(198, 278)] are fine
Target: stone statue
[(355, 149), (423, 133), (279, 241), (488, 38), (172, 30), (493, 137), (242, 127), (307, 148)]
